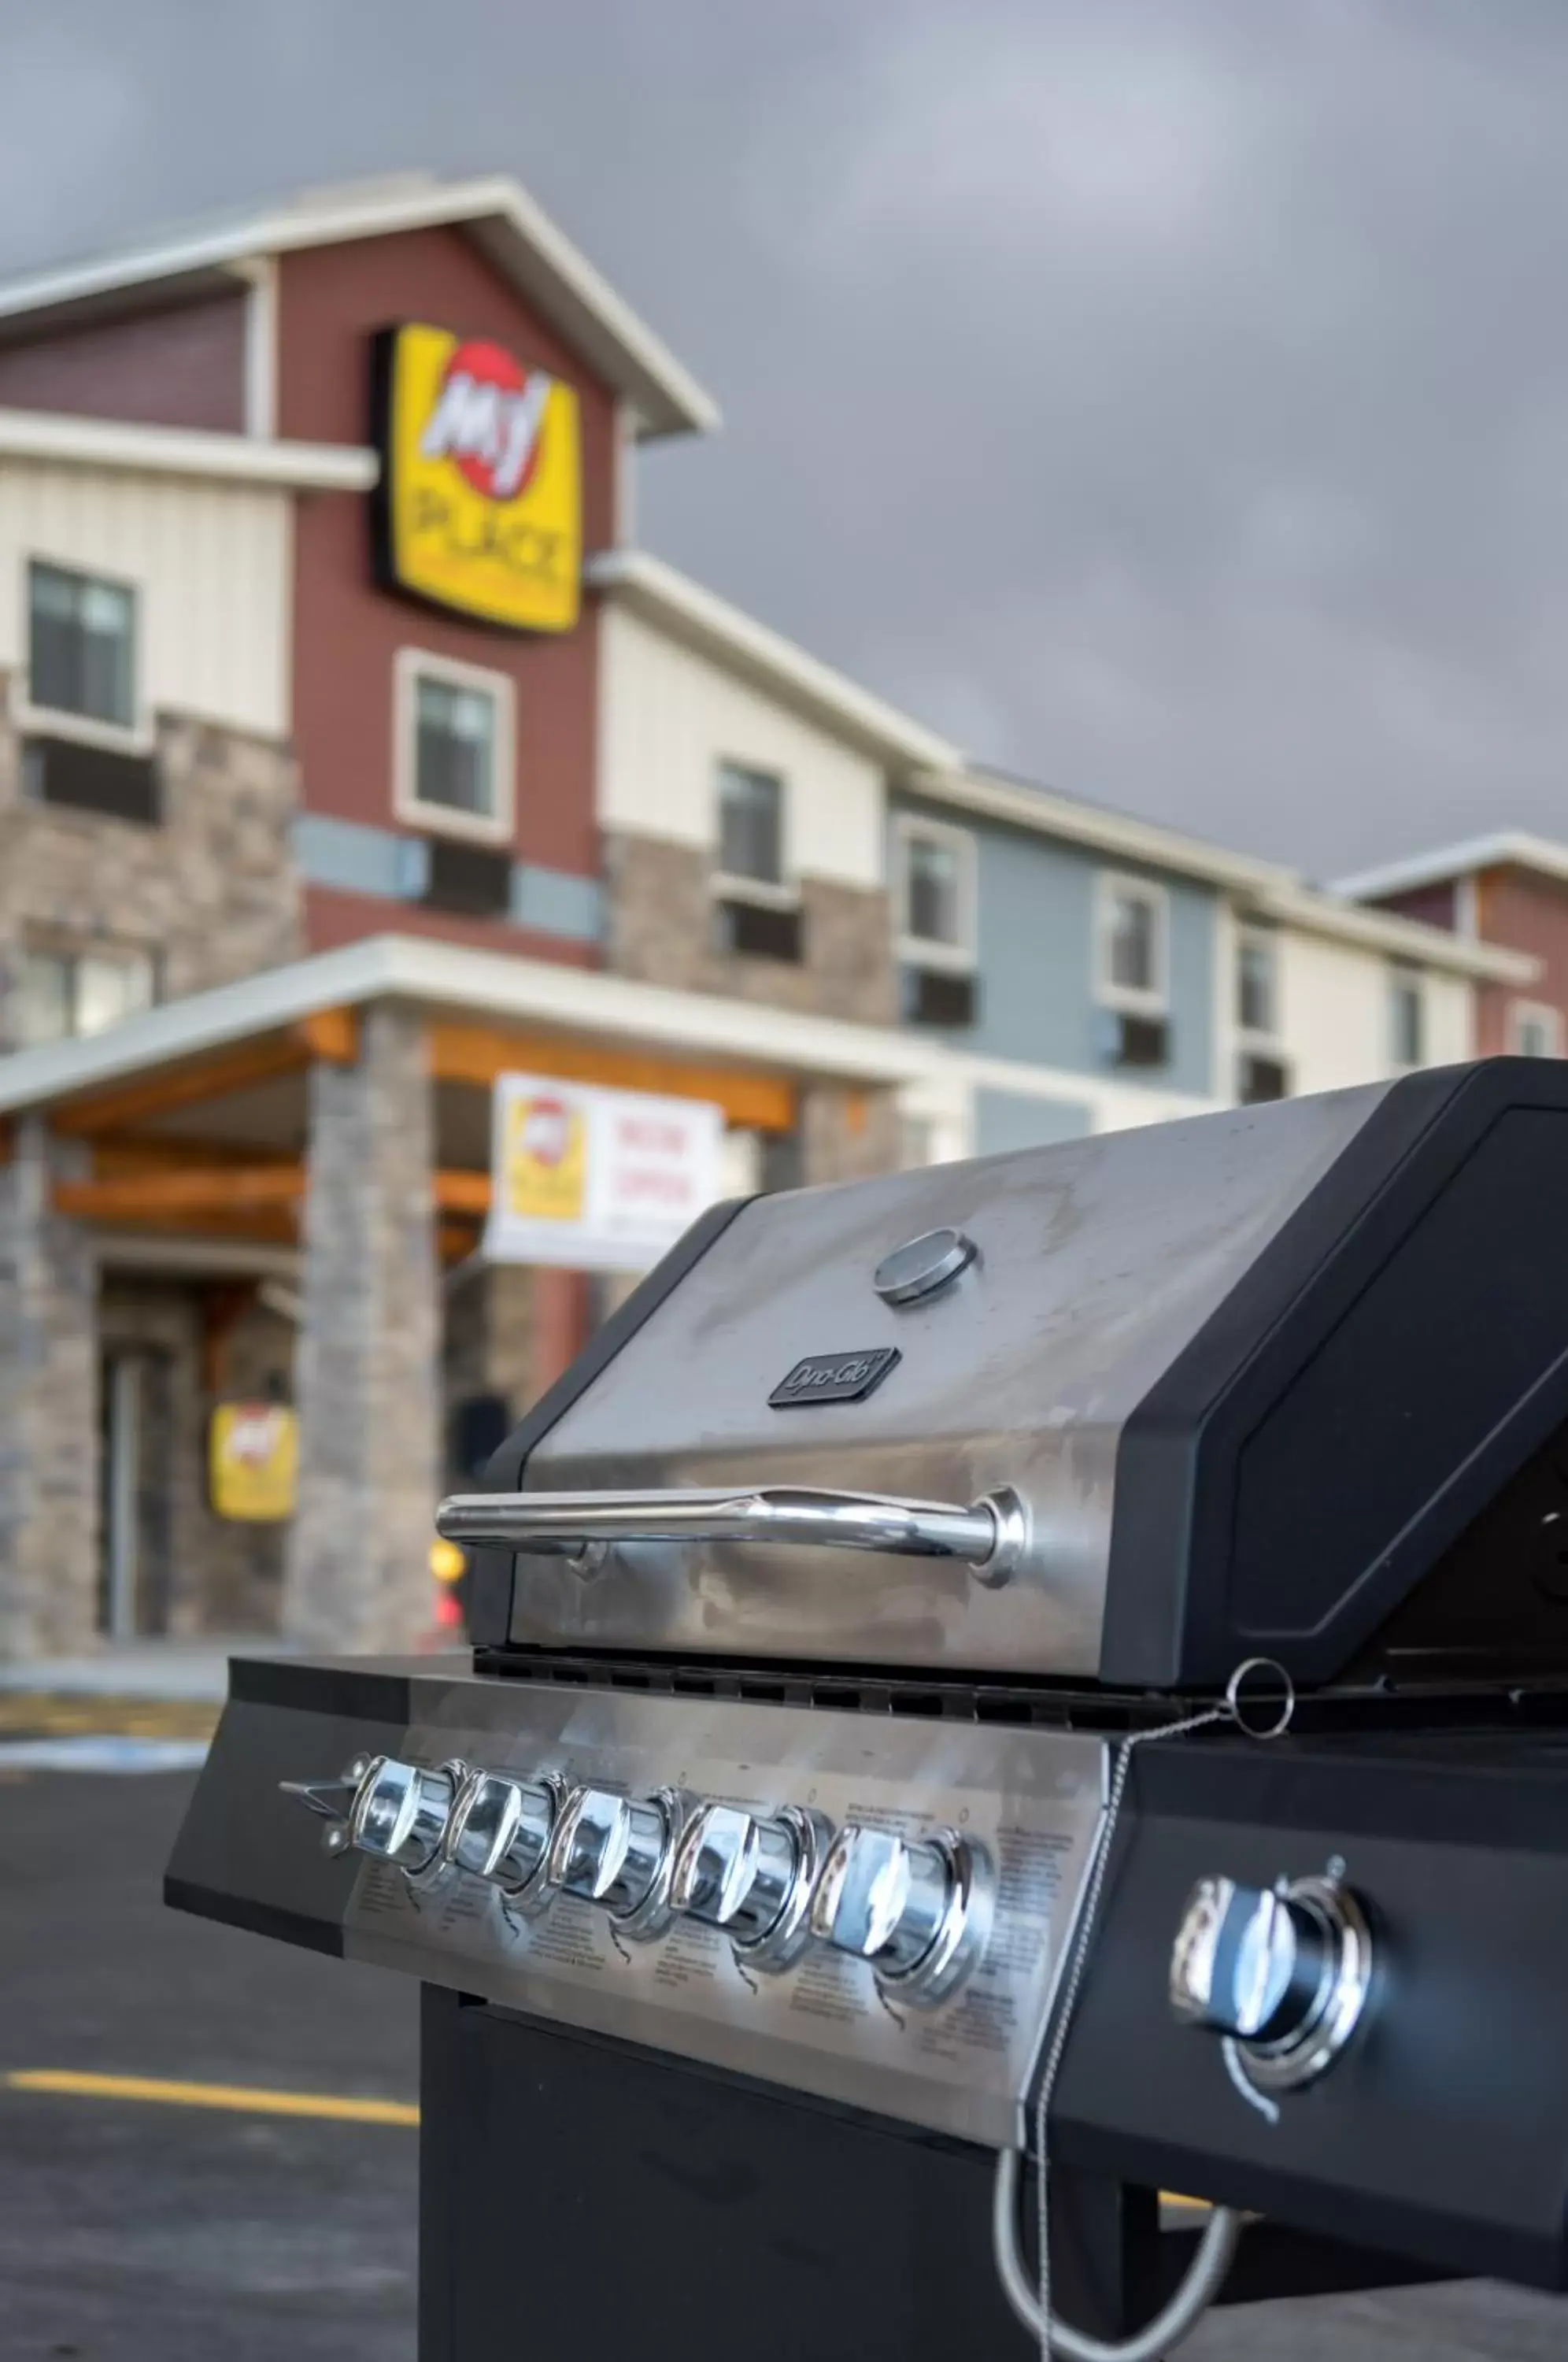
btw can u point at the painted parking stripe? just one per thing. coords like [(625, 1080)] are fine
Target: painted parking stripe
[(238, 2099), (103, 1751)]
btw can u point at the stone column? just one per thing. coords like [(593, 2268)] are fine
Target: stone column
[(49, 1412), (368, 1365), (848, 1135)]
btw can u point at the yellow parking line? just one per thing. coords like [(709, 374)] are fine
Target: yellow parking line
[(238, 2097)]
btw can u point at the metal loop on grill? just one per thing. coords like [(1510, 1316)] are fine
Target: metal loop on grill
[(1236, 1704)]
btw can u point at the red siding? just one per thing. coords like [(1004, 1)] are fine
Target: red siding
[(1528, 913), (1433, 905), (334, 918), (178, 366), (346, 630)]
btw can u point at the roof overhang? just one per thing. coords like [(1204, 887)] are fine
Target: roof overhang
[(514, 232), (710, 627), (57, 436), (1503, 849)]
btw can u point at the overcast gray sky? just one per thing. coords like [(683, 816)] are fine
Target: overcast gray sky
[(1168, 398)]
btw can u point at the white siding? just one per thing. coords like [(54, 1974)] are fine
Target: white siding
[(211, 561), (667, 717), (1334, 1015)]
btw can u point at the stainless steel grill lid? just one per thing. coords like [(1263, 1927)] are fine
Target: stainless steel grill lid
[(1126, 1409)]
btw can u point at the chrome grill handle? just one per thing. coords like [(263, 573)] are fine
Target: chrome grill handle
[(989, 1537)]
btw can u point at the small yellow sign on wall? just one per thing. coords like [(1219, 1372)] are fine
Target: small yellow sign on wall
[(253, 1454), (479, 503)]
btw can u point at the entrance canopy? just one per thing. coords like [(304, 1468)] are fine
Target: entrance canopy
[(193, 1119)]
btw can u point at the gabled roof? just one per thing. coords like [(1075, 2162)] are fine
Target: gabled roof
[(514, 232), (1505, 848)]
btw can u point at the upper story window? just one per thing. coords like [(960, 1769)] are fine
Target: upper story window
[(935, 915), (1131, 970), (758, 909), (453, 747), (1261, 1070), (751, 825), (1257, 983), (61, 993), (82, 651), (1133, 956), (1407, 1017), (1535, 1031)]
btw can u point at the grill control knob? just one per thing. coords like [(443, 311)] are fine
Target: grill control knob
[(400, 1812), (752, 1878), (501, 1830), (611, 1851), (1284, 1972), (919, 1912)]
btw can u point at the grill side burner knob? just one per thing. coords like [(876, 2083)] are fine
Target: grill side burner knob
[(919, 1912), (752, 1878), (399, 1813), (501, 1830), (1284, 1972), (611, 1851)]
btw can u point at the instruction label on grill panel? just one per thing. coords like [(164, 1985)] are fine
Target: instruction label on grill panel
[(1031, 1798)]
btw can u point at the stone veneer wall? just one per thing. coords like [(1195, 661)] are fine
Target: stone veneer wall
[(49, 1411), (659, 922), (368, 1363), (213, 889)]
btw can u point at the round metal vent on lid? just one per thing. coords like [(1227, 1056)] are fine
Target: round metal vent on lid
[(922, 1266)]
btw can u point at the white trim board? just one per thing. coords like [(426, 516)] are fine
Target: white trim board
[(186, 451)]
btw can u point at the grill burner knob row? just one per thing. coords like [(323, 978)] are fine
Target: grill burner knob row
[(619, 1852), (752, 1878), (1285, 1972), (919, 1912)]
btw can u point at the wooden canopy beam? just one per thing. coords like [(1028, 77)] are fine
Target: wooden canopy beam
[(479, 1053), (329, 1037), (161, 1193)]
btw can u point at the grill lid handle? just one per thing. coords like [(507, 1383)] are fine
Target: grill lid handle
[(991, 1537)]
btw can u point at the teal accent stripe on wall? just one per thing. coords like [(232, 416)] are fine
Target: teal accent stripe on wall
[(357, 860)]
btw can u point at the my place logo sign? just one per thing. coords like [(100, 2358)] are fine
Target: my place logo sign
[(479, 506)]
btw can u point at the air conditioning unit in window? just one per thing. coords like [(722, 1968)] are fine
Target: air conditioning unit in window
[(945, 996), (1260, 1076), (103, 779), (1130, 1040), (472, 881), (759, 929)]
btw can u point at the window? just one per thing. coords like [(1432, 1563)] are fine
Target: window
[(751, 825), (453, 751), (1131, 956), (1407, 1018), (934, 883), (80, 647), (1257, 983), (1260, 1078), (1535, 1031), (61, 993)]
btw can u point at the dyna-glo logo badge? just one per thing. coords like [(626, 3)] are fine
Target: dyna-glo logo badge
[(479, 506), (833, 1377)]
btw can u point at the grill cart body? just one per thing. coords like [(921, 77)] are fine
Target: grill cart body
[(758, 1865)]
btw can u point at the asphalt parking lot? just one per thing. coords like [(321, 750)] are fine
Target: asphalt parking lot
[(143, 2228)]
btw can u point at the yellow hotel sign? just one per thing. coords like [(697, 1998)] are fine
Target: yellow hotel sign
[(479, 505), (253, 1455)]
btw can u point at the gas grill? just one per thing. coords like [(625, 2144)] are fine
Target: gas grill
[(999, 1692)]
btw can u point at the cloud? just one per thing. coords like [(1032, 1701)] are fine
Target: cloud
[(1168, 396)]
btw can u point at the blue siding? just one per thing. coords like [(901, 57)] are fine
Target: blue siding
[(1006, 1120), (1035, 963), (358, 860)]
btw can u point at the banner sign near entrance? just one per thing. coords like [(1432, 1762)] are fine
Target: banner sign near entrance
[(479, 505), (253, 1453), (598, 1180)]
